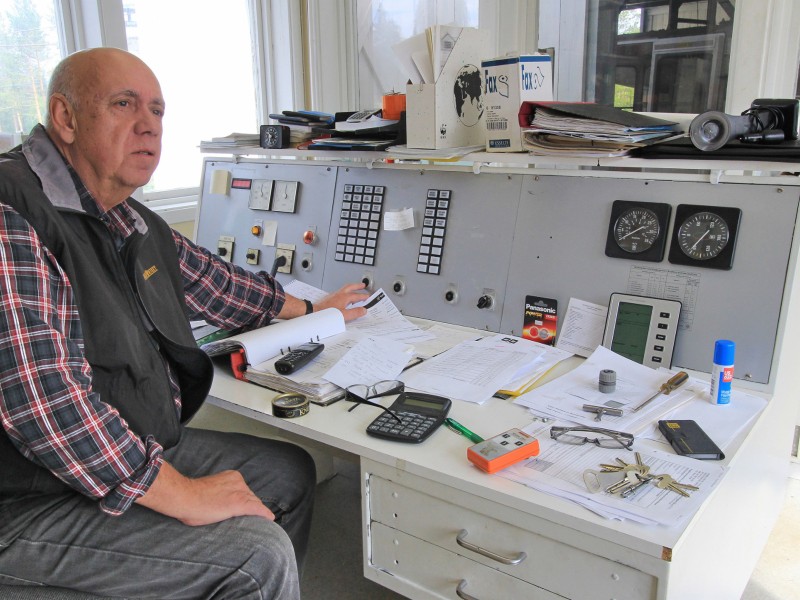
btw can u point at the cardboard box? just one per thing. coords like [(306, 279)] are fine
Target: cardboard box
[(448, 113), (509, 81)]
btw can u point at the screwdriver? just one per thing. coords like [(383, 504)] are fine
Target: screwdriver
[(672, 383)]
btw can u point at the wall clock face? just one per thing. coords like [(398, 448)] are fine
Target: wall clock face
[(704, 236), (638, 230)]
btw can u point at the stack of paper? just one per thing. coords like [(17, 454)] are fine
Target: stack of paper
[(578, 129), (559, 470), (234, 140), (475, 370), (564, 397)]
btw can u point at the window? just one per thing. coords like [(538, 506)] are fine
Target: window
[(388, 22), (29, 51), (672, 55), (202, 55)]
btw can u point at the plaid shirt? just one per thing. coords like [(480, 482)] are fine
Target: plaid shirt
[(47, 405)]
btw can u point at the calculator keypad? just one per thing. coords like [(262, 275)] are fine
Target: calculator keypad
[(415, 427)]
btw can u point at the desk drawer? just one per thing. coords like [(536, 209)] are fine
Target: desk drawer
[(440, 572), (525, 555)]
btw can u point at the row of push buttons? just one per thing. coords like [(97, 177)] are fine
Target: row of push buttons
[(660, 337), (359, 223), (414, 425), (434, 223)]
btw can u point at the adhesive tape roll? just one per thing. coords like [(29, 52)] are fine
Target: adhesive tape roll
[(392, 106), (289, 406)]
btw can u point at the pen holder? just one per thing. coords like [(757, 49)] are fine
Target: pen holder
[(392, 105)]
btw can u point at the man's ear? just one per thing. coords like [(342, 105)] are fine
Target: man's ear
[(62, 118)]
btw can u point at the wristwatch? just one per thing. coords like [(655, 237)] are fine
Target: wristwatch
[(309, 307)]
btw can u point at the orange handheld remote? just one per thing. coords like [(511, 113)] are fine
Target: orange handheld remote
[(503, 450)]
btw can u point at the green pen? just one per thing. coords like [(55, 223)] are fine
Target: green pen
[(460, 429)]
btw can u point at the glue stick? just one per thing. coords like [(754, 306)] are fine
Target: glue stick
[(722, 372)]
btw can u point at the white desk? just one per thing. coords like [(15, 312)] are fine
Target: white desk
[(418, 498)]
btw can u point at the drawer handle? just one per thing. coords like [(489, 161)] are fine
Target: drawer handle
[(461, 541), (461, 593)]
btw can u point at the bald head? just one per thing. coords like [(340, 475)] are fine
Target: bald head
[(73, 76), (105, 111)]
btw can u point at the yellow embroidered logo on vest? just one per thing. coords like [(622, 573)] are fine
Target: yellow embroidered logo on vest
[(148, 273)]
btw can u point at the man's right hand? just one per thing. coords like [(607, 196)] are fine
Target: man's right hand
[(204, 500)]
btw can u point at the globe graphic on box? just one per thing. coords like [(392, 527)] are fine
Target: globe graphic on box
[(467, 95)]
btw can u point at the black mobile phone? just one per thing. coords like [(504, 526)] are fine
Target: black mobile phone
[(299, 357)]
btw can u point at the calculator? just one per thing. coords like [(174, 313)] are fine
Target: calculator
[(421, 415)]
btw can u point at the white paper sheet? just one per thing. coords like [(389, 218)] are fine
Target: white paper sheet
[(369, 361), (582, 327), (563, 398), (383, 319), (474, 370), (559, 467)]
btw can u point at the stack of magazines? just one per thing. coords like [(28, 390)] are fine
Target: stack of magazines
[(583, 129)]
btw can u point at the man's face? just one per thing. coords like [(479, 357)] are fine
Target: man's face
[(118, 126)]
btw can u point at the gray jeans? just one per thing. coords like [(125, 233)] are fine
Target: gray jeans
[(67, 541)]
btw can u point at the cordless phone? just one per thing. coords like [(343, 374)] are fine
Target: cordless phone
[(300, 356)]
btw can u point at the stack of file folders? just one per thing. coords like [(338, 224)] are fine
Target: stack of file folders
[(584, 129), (303, 124), (373, 134)]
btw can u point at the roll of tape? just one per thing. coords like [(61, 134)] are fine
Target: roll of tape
[(289, 406)]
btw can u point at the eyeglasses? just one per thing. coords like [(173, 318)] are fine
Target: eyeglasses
[(361, 394), (575, 435)]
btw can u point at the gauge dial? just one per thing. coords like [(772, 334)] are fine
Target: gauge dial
[(636, 230), (703, 235)]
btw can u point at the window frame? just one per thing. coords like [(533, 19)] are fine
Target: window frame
[(278, 49), (306, 55)]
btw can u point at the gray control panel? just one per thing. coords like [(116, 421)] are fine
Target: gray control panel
[(453, 246)]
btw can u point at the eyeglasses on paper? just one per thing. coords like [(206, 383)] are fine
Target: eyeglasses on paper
[(607, 438)]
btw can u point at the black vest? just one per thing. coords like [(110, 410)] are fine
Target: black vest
[(132, 312)]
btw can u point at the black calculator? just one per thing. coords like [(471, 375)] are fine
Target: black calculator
[(421, 415)]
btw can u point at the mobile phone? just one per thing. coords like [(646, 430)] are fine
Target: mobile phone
[(299, 357)]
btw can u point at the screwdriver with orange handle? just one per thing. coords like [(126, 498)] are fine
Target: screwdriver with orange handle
[(672, 383)]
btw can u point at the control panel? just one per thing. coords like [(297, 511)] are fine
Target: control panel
[(450, 245)]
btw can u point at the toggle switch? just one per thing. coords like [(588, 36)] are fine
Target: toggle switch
[(252, 255), (225, 247), (487, 300)]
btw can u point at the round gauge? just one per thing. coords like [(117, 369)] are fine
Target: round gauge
[(703, 235), (636, 230)]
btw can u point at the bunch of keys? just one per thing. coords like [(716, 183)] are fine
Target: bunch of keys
[(635, 477)]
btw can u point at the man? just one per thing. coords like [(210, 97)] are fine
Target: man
[(102, 489)]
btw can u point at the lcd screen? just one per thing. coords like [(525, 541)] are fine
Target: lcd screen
[(631, 329)]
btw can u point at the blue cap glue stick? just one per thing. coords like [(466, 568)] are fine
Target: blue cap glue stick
[(722, 372)]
